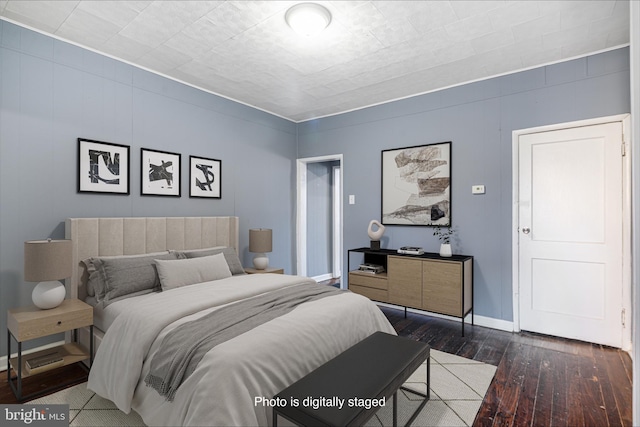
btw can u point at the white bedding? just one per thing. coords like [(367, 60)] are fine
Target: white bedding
[(103, 317), (258, 363)]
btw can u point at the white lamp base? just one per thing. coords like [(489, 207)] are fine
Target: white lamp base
[(48, 294), (260, 261)]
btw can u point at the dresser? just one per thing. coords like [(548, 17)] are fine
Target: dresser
[(429, 282)]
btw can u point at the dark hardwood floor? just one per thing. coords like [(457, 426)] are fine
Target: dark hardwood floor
[(540, 381), (57, 379)]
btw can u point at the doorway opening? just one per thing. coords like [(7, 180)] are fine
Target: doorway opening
[(319, 217)]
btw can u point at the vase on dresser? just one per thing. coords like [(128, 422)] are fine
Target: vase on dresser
[(445, 249)]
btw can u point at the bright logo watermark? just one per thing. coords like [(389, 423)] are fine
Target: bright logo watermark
[(35, 415)]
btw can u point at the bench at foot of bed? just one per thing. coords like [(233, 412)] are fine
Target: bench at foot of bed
[(349, 389)]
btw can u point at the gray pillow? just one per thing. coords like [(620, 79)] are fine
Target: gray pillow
[(235, 266), (95, 280), (183, 272), (126, 276)]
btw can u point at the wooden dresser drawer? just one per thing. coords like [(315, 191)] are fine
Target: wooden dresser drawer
[(371, 293), (29, 323), (378, 281)]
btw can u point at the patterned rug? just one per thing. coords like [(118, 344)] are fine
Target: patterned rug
[(458, 386)]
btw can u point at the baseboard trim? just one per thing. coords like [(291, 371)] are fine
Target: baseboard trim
[(3, 359), (490, 322), (487, 322)]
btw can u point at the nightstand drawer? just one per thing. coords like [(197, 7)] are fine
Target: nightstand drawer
[(29, 323)]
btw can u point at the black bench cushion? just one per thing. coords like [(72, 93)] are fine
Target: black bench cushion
[(375, 367)]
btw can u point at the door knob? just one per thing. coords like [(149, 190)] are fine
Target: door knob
[(526, 230)]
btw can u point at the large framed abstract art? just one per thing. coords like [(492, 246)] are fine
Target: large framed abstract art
[(103, 167), (159, 173), (416, 185), (205, 177)]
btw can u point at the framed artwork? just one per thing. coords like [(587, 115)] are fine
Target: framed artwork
[(416, 185), (205, 177), (159, 173), (103, 167)]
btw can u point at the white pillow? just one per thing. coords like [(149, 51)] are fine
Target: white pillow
[(183, 272)]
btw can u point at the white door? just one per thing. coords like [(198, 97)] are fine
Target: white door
[(570, 233)]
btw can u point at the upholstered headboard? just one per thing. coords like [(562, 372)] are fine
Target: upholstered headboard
[(93, 237)]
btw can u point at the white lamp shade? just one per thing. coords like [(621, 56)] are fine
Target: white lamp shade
[(260, 240), (47, 260)]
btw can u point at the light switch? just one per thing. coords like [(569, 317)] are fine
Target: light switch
[(477, 189), (352, 199)]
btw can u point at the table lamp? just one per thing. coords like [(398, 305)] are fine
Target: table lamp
[(260, 242), (47, 261)]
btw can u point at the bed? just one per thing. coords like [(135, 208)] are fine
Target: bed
[(232, 381)]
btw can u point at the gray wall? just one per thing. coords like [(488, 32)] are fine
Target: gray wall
[(479, 119), (52, 92), (320, 218)]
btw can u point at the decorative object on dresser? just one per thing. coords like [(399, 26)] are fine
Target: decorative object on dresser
[(28, 323), (47, 261), (367, 267), (159, 173), (444, 234), (205, 177), (428, 282), (260, 242), (375, 235), (103, 167), (416, 185), (411, 250)]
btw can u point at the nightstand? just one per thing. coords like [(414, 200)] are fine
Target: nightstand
[(249, 270), (28, 323)]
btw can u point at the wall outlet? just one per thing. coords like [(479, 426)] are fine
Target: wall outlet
[(352, 199), (477, 189)]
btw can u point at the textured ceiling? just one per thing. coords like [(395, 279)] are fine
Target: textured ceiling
[(372, 52)]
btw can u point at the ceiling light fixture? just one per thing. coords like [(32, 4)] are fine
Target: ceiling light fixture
[(308, 19)]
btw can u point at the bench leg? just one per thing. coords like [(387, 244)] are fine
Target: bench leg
[(428, 377), (426, 396), (395, 409)]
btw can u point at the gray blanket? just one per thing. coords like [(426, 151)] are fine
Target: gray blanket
[(183, 348)]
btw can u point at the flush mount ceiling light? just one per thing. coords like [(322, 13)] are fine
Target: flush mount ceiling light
[(308, 19)]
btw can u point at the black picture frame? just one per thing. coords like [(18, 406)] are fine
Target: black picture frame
[(416, 185), (160, 173), (205, 177), (103, 167)]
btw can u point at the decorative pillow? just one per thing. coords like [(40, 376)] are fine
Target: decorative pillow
[(95, 280), (235, 266), (183, 272), (125, 276)]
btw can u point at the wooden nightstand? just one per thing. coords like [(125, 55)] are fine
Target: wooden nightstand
[(28, 323), (249, 270)]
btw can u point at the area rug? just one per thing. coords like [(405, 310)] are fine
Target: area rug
[(458, 386)]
